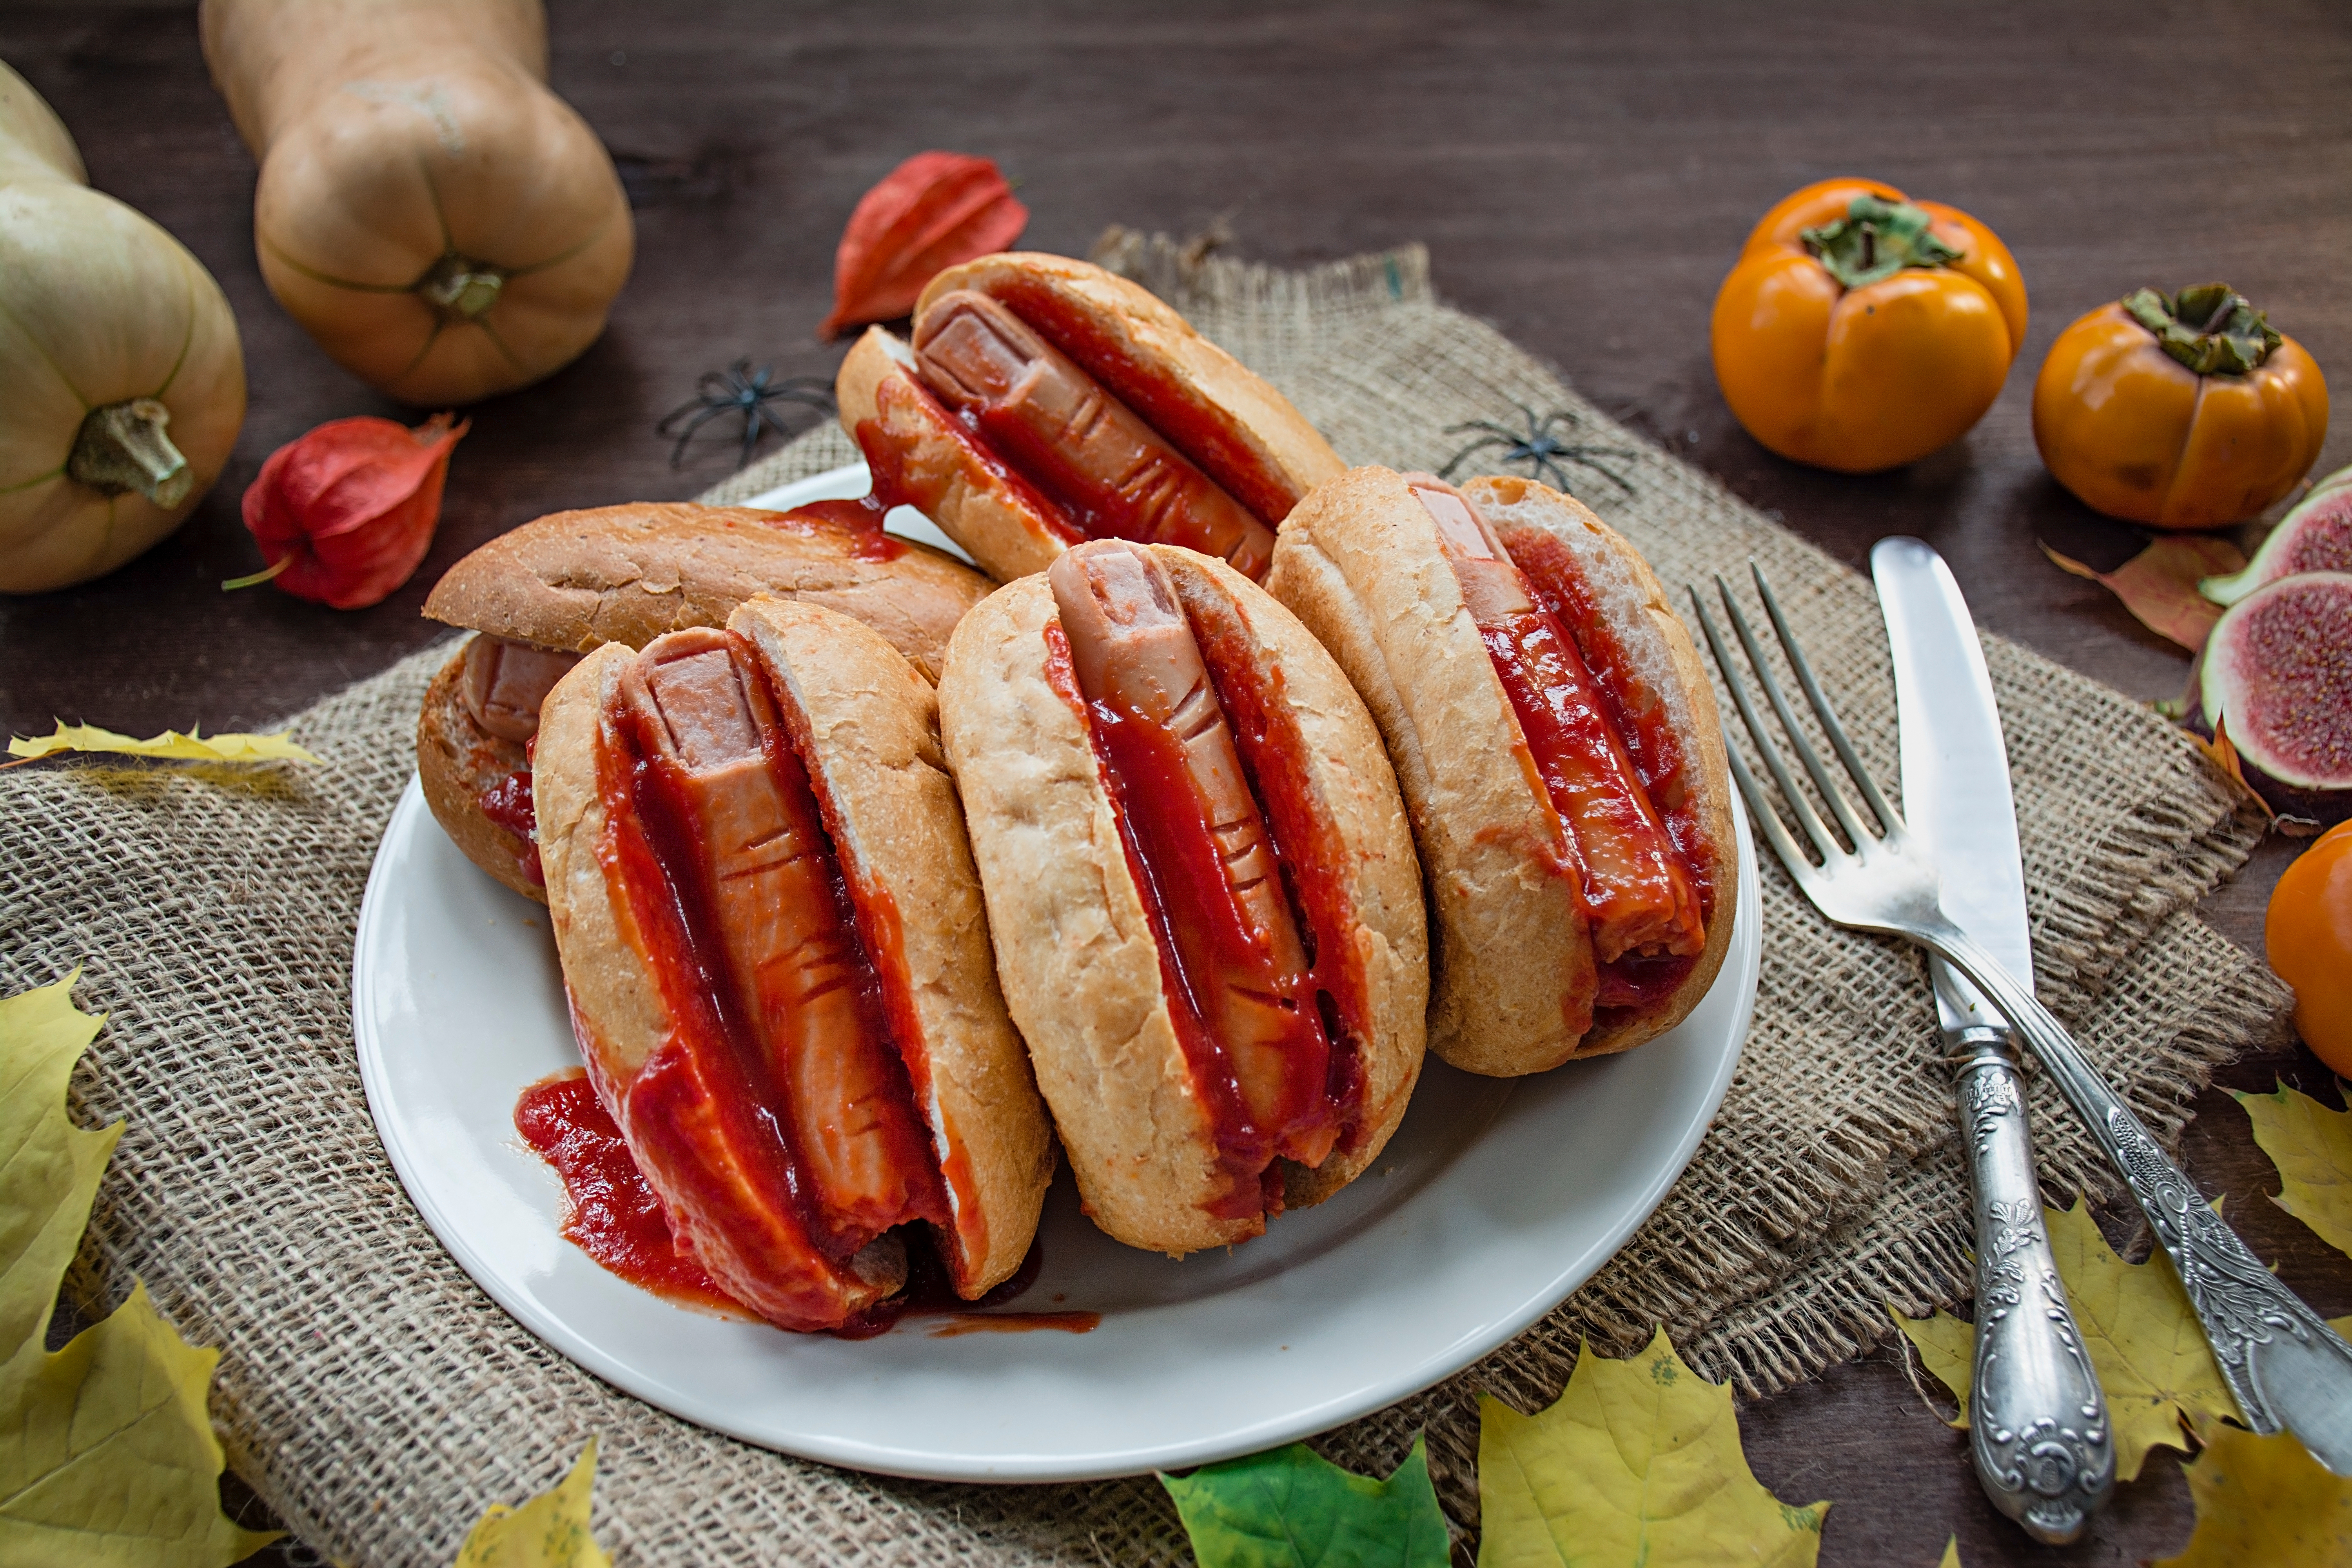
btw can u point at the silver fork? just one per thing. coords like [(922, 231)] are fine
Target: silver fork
[(2284, 1365)]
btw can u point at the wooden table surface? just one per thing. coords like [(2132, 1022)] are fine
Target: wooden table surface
[(1582, 176)]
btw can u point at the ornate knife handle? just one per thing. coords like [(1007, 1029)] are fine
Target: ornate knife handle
[(2038, 1424), (2251, 1318)]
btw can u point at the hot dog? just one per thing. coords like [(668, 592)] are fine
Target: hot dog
[(1557, 741), (1042, 402), (553, 589), (779, 969), (1206, 908)]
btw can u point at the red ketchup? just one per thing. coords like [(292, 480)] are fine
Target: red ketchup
[(858, 520), (1203, 432), (903, 406), (1556, 582), (1636, 886), (1272, 1054), (611, 1214), (509, 804)]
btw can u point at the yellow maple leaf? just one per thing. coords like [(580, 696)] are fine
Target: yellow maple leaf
[(1639, 1462), (551, 1531), (106, 1453), (2263, 1501), (2146, 1344), (188, 747), (2143, 1337), (2312, 1147), (52, 1166), (1951, 1553), (1947, 1349)]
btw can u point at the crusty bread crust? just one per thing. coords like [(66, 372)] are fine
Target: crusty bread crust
[(618, 1016), (456, 759), (1360, 563), (573, 580), (1008, 536), (1246, 435), (1349, 784), (1081, 969), (1243, 433), (613, 995), (866, 725), (1637, 608), (1073, 948)]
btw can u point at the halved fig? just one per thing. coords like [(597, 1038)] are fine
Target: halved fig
[(2277, 675), (2317, 536)]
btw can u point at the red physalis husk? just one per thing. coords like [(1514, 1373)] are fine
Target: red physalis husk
[(928, 213), (344, 515)]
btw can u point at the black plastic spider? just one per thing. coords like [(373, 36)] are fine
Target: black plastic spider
[(742, 390), (1540, 449)]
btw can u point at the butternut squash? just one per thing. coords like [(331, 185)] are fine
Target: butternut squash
[(444, 225), (121, 379)]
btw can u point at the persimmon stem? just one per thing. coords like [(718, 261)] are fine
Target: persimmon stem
[(231, 585), (1877, 239), (2231, 338)]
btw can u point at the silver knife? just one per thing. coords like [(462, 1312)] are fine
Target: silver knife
[(2038, 1425)]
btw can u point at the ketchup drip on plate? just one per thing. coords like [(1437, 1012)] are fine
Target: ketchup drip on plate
[(609, 1212)]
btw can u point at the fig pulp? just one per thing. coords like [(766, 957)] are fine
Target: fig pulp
[(2276, 677), (2317, 536)]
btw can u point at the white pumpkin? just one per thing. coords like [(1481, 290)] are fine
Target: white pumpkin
[(121, 380)]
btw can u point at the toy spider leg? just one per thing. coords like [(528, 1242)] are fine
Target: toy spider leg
[(1539, 448), (742, 390)]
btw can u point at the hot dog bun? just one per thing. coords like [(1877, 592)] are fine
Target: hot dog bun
[(861, 723), (571, 581), (1239, 431), (1084, 972), (1364, 563)]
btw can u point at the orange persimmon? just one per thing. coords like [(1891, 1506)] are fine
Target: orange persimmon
[(1860, 328), (2178, 411), (2308, 935)]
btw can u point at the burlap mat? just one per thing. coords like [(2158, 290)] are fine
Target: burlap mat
[(378, 1400)]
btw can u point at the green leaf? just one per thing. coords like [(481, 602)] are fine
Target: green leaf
[(106, 1453), (1638, 1464), (2312, 1147), (49, 1168), (551, 1531), (1291, 1508)]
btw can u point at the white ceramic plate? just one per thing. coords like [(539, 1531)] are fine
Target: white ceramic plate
[(1492, 1202)]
